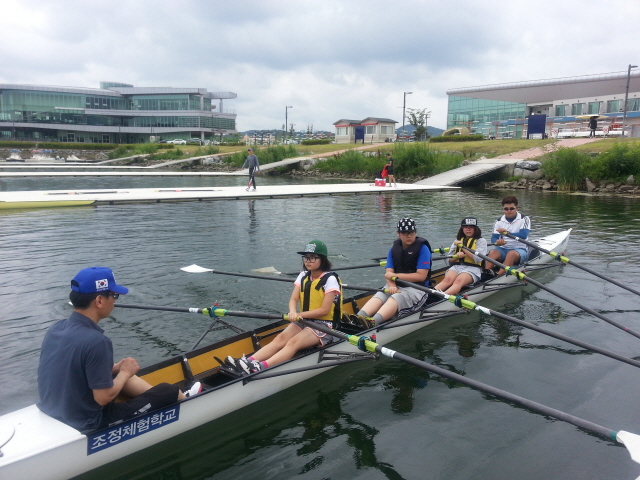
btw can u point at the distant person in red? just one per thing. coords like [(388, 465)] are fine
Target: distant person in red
[(389, 167)]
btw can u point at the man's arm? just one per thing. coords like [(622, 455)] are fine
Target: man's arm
[(127, 369)]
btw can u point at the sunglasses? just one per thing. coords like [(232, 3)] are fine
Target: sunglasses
[(508, 209), (110, 294), (310, 258)]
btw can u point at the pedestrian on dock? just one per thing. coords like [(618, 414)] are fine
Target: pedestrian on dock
[(389, 167), (254, 166), (409, 259), (318, 293), (466, 267), (593, 124), (77, 378), (509, 251)]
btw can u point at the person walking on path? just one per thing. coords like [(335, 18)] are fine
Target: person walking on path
[(593, 124), (78, 381), (254, 166), (389, 167)]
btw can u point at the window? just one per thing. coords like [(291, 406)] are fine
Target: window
[(614, 106), (561, 110), (371, 130), (594, 107), (633, 104), (341, 130), (577, 108), (385, 130)]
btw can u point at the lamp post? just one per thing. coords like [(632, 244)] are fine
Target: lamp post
[(286, 119), (626, 97), (404, 105)]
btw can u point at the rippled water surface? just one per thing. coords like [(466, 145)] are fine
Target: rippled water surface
[(369, 420)]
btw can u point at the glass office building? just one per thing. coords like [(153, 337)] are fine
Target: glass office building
[(484, 117), (503, 110), (114, 113)]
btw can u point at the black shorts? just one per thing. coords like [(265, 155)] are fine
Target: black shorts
[(159, 396)]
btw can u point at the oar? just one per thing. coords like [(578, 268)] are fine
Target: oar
[(562, 258), (382, 263), (630, 440), (197, 269), (462, 302), (209, 311), (521, 276)]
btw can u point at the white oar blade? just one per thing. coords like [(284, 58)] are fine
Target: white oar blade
[(196, 269), (266, 270), (632, 442)]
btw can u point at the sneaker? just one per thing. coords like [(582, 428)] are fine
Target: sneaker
[(240, 365), (195, 389), (247, 189), (254, 366), (254, 189), (366, 322)]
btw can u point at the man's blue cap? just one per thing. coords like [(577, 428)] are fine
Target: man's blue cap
[(96, 279)]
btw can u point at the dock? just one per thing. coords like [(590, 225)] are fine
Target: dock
[(96, 197)]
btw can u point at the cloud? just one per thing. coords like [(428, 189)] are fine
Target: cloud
[(327, 59)]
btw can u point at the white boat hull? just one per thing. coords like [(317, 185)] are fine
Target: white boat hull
[(45, 448)]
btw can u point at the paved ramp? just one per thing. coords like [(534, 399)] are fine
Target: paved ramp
[(486, 165)]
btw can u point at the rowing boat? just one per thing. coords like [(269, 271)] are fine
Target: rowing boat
[(34, 445)]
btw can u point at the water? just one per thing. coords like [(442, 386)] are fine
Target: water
[(375, 420)]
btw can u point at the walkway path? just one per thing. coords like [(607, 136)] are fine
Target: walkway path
[(486, 165)]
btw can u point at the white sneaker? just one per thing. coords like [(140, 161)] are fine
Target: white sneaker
[(247, 189), (254, 189), (195, 389)]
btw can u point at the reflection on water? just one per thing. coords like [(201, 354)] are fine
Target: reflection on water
[(379, 419)]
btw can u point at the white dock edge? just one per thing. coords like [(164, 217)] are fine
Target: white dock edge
[(67, 198)]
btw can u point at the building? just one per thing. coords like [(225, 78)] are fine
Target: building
[(371, 129), (502, 111), (114, 113)]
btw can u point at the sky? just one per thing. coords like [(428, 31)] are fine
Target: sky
[(328, 60)]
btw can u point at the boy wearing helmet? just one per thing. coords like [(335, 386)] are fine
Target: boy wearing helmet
[(409, 259)]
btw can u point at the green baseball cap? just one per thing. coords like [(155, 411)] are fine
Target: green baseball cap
[(317, 247)]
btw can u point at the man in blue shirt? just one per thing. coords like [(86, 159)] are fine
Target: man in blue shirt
[(77, 378), (509, 251), (409, 259)]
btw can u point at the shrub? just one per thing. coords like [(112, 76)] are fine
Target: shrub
[(319, 141), (265, 155), (567, 166), (353, 163), (57, 145), (621, 161), (456, 138)]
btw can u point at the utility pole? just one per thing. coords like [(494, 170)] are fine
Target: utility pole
[(404, 105), (626, 97)]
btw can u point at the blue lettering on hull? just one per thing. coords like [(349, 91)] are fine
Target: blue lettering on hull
[(132, 428)]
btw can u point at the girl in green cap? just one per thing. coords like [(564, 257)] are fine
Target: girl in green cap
[(318, 293)]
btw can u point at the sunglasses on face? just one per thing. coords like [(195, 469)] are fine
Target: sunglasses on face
[(508, 209), (310, 258), (114, 295)]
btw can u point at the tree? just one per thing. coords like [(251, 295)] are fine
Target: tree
[(418, 118)]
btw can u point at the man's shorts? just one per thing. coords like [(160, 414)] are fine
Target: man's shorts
[(409, 300), (524, 254)]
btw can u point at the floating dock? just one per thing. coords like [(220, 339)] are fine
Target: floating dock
[(74, 198)]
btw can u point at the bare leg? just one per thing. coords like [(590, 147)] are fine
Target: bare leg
[(372, 306), (462, 280), (135, 386), (278, 343), (305, 339), (388, 310), (512, 258), (447, 281)]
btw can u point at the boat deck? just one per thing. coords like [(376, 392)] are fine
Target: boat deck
[(68, 198)]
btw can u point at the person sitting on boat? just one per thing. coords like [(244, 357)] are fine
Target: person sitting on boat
[(77, 378), (409, 259), (509, 251), (466, 267), (318, 293)]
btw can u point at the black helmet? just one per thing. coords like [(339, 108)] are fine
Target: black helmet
[(469, 222), (406, 225)]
